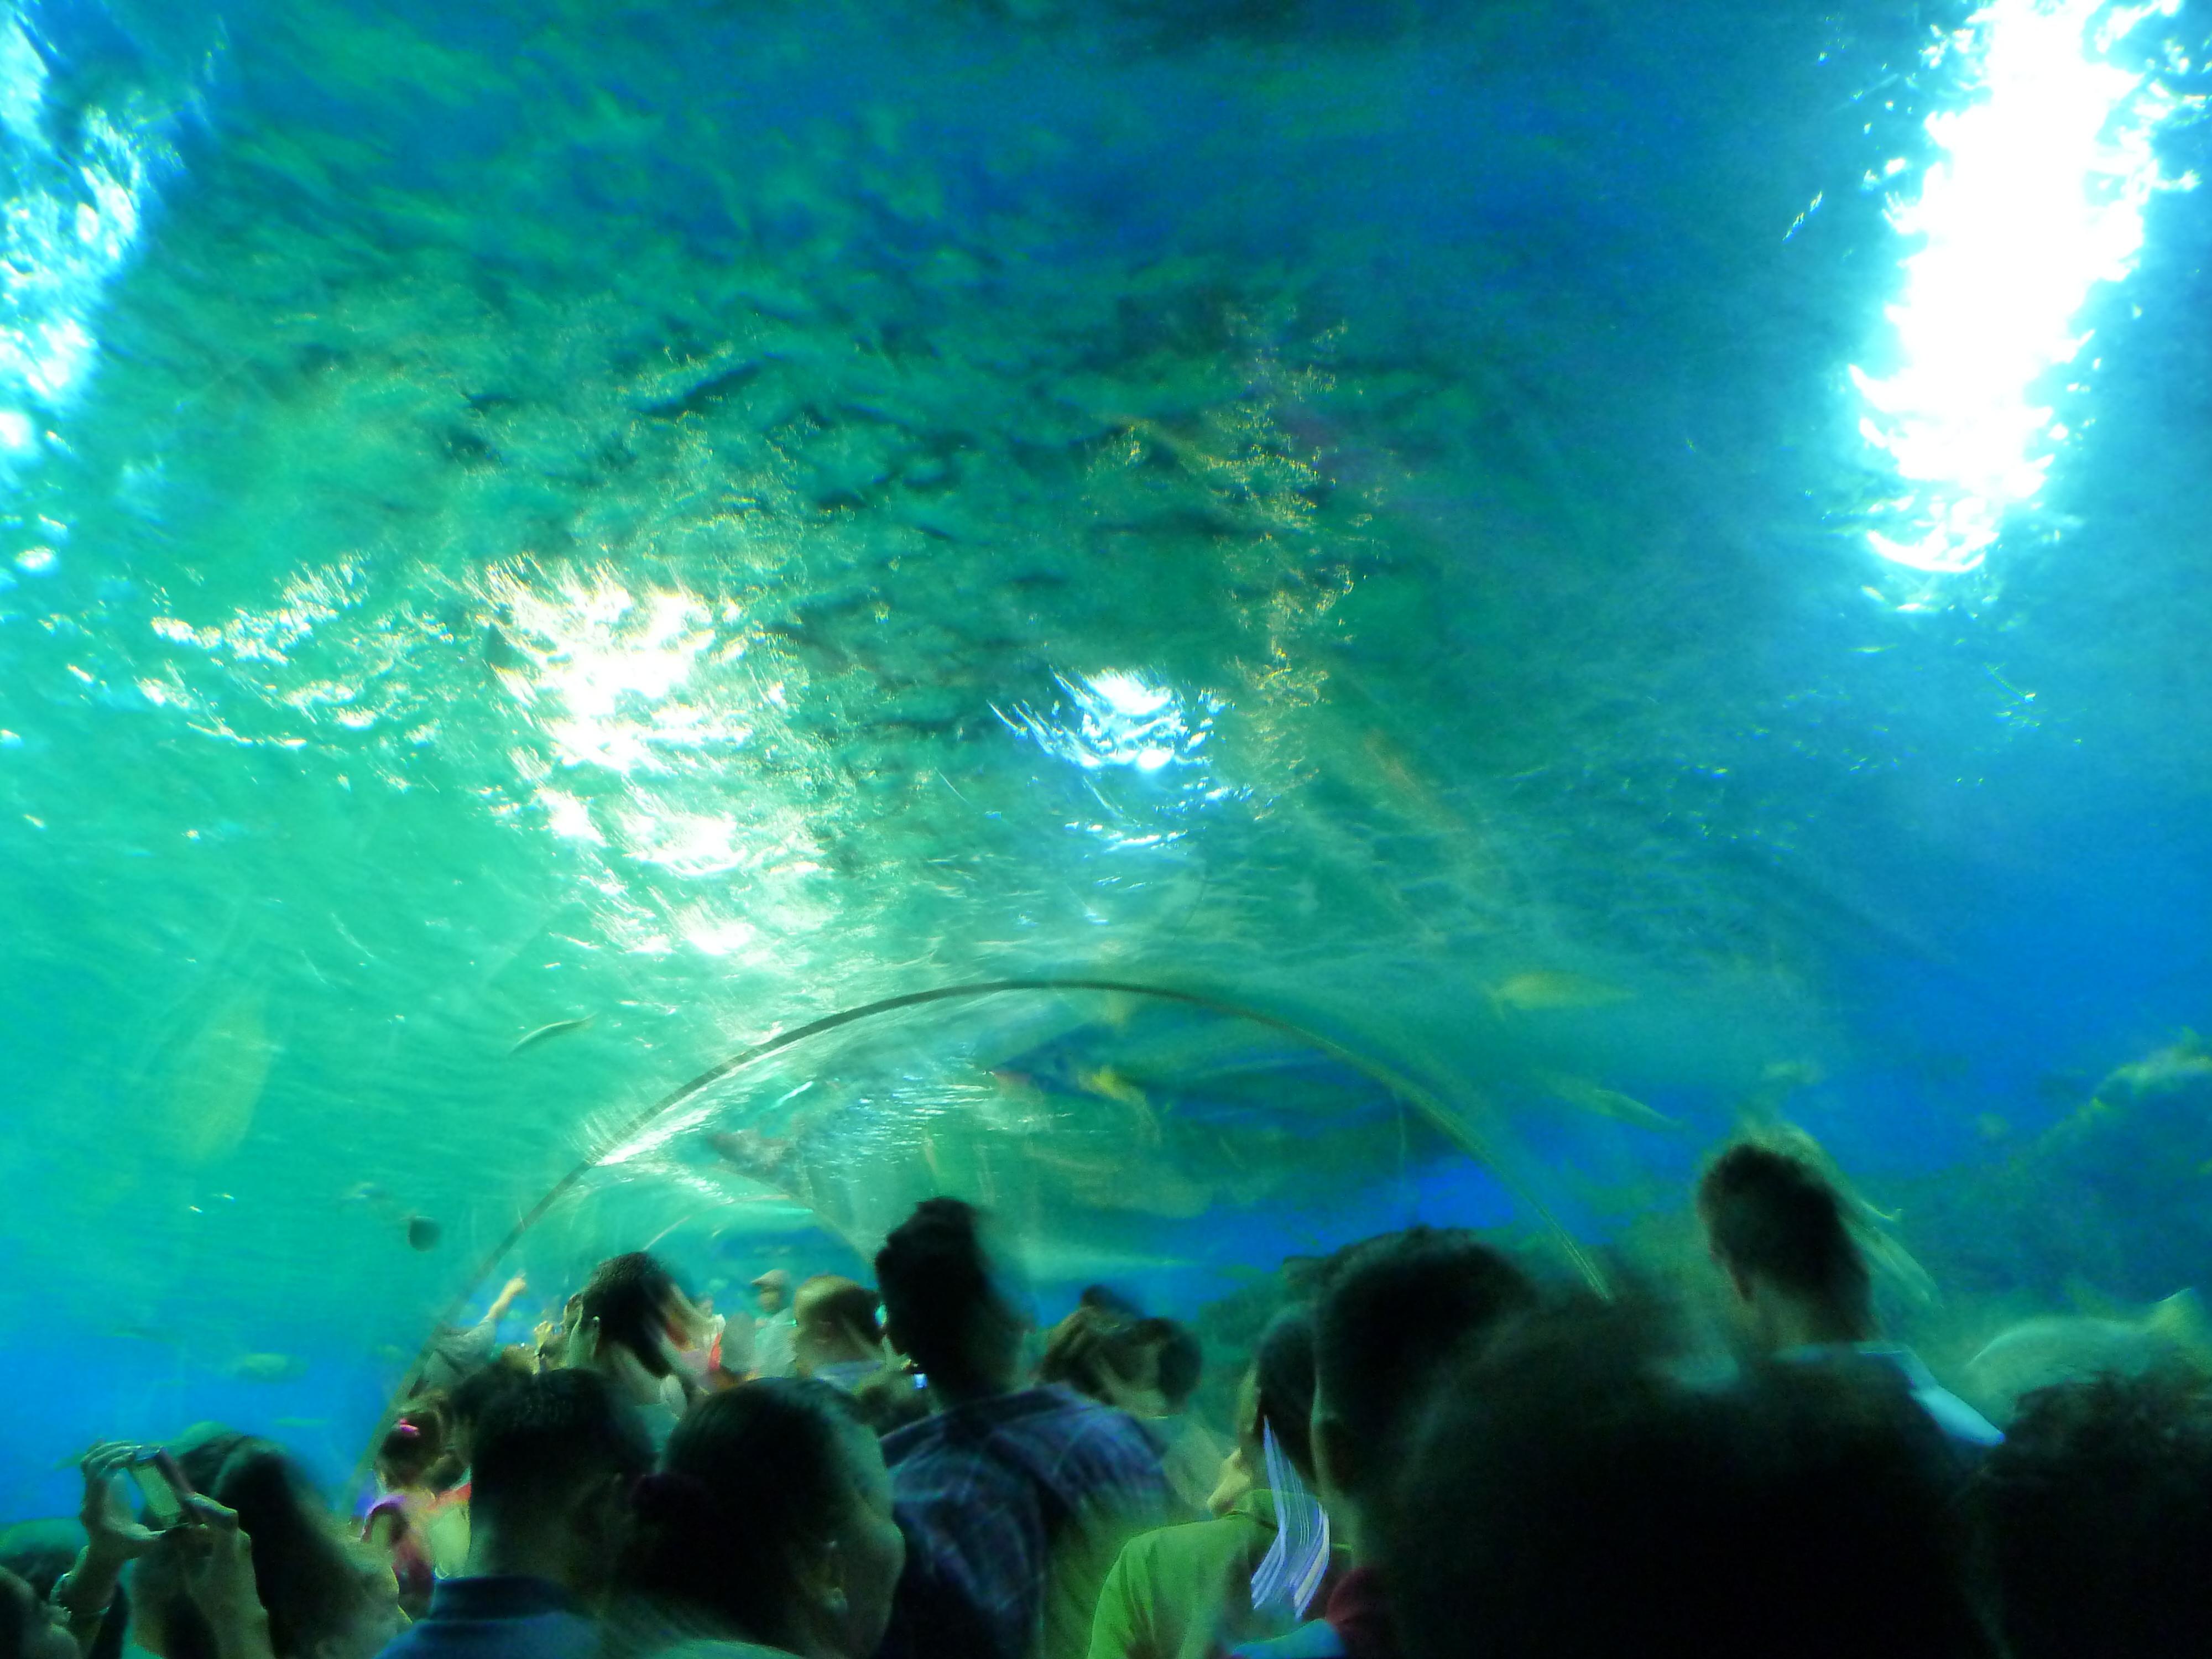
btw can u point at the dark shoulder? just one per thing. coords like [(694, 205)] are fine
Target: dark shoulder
[(903, 1443)]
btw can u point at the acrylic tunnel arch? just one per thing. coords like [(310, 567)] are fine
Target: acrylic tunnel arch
[(1113, 1093)]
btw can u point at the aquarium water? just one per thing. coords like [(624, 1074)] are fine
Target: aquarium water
[(1217, 624)]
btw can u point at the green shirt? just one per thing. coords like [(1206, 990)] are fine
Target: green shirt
[(711, 1648), (1186, 1592)]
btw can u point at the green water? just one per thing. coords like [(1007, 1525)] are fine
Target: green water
[(694, 517)]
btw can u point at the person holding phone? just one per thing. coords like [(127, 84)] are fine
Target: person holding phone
[(234, 1556), (213, 1556), (114, 1537)]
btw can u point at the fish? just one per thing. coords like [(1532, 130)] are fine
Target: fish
[(1107, 1083), (1016, 1104), (2183, 1063), (265, 1367), (1027, 1103), (2054, 1348), (547, 1033), (218, 1078), (1606, 1103), (133, 1333), (764, 1158), (1546, 990)]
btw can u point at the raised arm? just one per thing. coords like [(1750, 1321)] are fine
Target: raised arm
[(113, 1539)]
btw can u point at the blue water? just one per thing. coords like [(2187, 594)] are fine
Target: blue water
[(700, 516)]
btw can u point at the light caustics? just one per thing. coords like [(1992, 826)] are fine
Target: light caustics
[(2037, 197), (1121, 719), (1120, 722), (635, 746), (74, 200)]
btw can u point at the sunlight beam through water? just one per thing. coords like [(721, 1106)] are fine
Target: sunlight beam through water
[(2037, 197)]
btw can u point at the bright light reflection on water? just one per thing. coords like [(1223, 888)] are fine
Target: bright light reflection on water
[(2039, 196), (1122, 722), (70, 208)]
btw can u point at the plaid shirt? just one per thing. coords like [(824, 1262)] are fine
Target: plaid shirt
[(1014, 1508)]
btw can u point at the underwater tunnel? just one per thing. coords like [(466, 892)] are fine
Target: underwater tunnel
[(1219, 626)]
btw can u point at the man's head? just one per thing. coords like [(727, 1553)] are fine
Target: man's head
[(1572, 1492), (472, 1396), (554, 1458), (638, 1307), (772, 1289), (1392, 1311), (1776, 1228), (946, 1303)]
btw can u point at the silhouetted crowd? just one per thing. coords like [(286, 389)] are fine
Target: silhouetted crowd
[(1435, 1452)]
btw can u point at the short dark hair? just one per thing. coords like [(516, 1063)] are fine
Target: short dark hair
[(1572, 1493), (934, 1277), (1283, 1373), (2096, 1514), (747, 1472), (543, 1437), (1181, 1362), (630, 1295), (1392, 1310), (473, 1394), (1774, 1215)]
